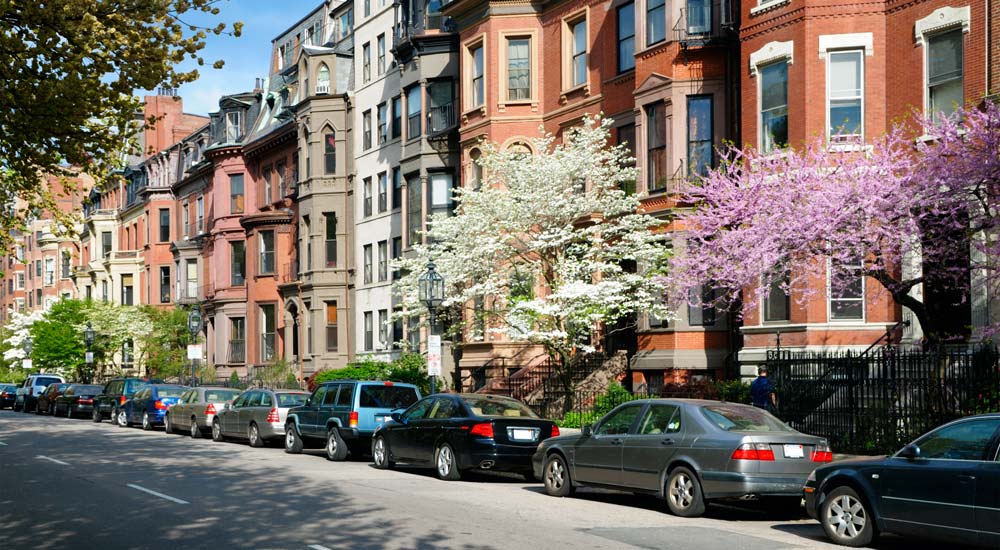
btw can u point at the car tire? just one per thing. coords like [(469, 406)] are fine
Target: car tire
[(95, 415), (556, 477), (217, 431), (38, 410), (683, 492), (293, 443), (195, 430), (446, 463), (842, 513), (147, 422), (168, 426), (336, 448), (52, 409), (122, 417), (253, 436), (15, 408), (380, 454)]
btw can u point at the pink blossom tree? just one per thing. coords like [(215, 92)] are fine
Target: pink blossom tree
[(763, 221)]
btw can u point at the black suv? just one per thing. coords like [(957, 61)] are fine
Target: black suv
[(116, 392)]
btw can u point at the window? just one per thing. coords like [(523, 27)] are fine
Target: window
[(383, 121), (397, 330), (440, 196), (331, 239), (200, 210), (626, 37), (475, 169), (164, 236), (847, 291), (367, 202), (397, 253), (626, 137), (656, 143), (440, 108), (518, 69), (234, 126), (699, 17), (368, 8), (331, 326), (266, 192), (945, 90), (164, 284), (384, 337), (366, 126), (186, 216), (968, 440), (236, 193), (774, 106), (656, 21), (191, 270), (777, 305), (38, 268), (237, 340), (397, 116), (660, 419), (703, 312), (366, 61), (266, 253), (383, 260), (281, 169), (368, 263), (238, 263), (323, 80), (699, 135), (383, 192), (381, 54), (50, 271), (414, 212), (66, 265), (397, 188), (305, 236), (267, 332), (845, 86), (344, 24), (330, 152), (478, 87), (619, 422), (105, 244), (413, 112), (578, 52), (127, 283), (369, 334), (20, 280)]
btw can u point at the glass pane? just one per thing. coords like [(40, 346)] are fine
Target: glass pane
[(626, 54), (775, 128), (580, 37), (845, 74), (619, 422), (774, 85), (699, 118), (845, 117), (944, 57), (440, 190), (660, 419), (964, 441), (518, 69), (846, 309), (699, 17), (947, 97), (656, 21)]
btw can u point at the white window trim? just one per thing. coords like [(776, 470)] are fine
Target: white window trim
[(765, 5), (468, 61), (940, 20), (829, 299), (829, 129), (850, 41)]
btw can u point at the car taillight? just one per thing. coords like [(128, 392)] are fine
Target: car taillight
[(84, 401), (160, 405), (483, 429), (273, 416), (121, 400), (750, 451), (555, 431), (210, 409), (352, 419), (822, 453), (387, 383)]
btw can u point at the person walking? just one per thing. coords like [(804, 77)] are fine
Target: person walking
[(762, 393)]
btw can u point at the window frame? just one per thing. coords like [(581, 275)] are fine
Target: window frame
[(570, 54), (620, 38), (477, 72), (711, 132), (830, 299), (237, 207), (264, 254), (661, 8), (774, 146), (531, 36), (830, 100), (366, 62), (366, 254)]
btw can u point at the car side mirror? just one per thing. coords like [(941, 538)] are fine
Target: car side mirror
[(587, 430), (227, 406), (309, 401), (398, 418), (909, 452)]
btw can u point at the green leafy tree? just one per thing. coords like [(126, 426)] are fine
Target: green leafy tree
[(410, 368), (164, 347), (58, 340)]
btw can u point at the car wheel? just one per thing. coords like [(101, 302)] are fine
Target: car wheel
[(336, 449), (147, 422), (168, 426), (846, 518), (123, 420), (293, 443), (556, 476), (95, 415), (217, 431), (684, 494), (447, 465), (195, 430), (253, 434), (52, 409), (380, 454)]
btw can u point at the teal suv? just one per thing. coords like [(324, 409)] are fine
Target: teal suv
[(342, 416)]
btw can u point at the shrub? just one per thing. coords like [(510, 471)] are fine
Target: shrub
[(410, 368)]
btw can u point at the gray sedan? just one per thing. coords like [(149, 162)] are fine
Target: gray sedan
[(685, 451), (197, 408), (256, 415)]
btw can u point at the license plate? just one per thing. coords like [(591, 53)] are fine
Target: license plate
[(794, 451), (522, 435)]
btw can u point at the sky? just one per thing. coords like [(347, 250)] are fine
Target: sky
[(246, 57)]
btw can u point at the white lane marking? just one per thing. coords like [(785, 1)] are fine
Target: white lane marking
[(155, 494), (43, 457), (318, 547)]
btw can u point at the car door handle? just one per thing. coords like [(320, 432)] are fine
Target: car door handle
[(667, 442), (966, 477), (616, 442)]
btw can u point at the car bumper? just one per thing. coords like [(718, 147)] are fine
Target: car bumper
[(5, 403), (503, 458), (268, 430), (812, 503), (735, 484), (80, 408)]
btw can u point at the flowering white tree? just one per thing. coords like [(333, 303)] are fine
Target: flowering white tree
[(19, 328), (548, 250)]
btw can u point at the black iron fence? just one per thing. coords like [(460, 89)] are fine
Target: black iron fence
[(875, 402)]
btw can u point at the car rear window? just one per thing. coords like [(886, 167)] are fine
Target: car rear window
[(482, 406), (218, 396), (171, 392), (286, 400), (45, 381), (734, 418), (387, 397), (84, 389)]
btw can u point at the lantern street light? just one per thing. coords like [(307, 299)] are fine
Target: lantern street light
[(194, 326), (27, 345), (88, 339), (430, 288)]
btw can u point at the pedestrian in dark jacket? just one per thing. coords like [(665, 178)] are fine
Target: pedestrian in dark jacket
[(762, 392)]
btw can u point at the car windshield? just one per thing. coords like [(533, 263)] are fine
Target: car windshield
[(387, 397), (740, 418), (87, 389), (218, 396), (45, 381), (483, 406), (286, 400), (170, 392)]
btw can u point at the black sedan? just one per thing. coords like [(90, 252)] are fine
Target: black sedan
[(47, 400), (456, 432), (77, 399), (8, 392), (945, 485)]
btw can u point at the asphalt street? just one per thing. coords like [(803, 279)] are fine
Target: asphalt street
[(76, 484)]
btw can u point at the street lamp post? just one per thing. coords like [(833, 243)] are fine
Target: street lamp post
[(431, 292), (194, 326), (88, 339), (27, 345)]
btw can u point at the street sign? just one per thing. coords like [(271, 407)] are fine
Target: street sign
[(26, 363), (90, 357), (434, 355), (194, 351)]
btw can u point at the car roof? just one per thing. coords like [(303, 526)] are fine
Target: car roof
[(165, 386), (379, 382), (217, 388)]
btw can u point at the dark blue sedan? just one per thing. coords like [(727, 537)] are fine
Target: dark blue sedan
[(945, 486), (149, 404)]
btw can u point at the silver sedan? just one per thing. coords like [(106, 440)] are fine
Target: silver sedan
[(197, 408), (685, 451), (257, 415)]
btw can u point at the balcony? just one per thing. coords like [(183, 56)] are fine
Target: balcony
[(237, 351), (703, 23), (440, 119), (323, 89)]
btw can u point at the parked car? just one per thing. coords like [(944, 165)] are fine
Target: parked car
[(344, 414), (149, 405), (453, 433), (46, 402), (116, 392), (685, 451), (256, 415), (31, 388), (77, 399), (8, 392), (942, 486), (197, 408)]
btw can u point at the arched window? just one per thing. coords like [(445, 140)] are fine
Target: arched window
[(323, 80), (330, 151), (519, 147), (475, 169)]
